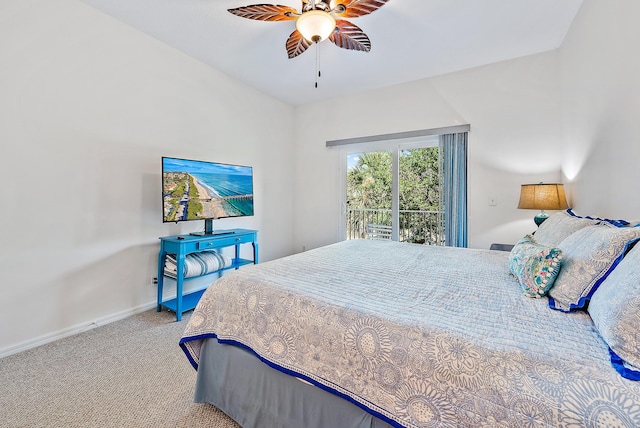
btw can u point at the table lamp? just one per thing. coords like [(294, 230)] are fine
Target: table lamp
[(542, 196)]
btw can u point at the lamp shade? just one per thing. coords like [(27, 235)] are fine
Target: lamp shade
[(543, 196), (315, 25)]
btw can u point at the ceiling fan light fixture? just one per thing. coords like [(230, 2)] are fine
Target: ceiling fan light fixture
[(315, 25)]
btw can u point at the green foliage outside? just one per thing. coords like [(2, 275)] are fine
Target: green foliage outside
[(369, 181), (420, 180)]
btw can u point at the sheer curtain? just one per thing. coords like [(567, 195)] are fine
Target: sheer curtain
[(453, 149)]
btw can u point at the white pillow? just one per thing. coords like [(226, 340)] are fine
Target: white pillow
[(590, 254), (615, 310), (559, 226)]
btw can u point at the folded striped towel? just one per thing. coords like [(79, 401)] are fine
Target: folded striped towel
[(196, 264)]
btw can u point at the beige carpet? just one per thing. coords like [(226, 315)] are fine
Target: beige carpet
[(129, 373)]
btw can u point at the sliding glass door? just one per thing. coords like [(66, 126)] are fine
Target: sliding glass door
[(369, 194), (408, 186), (394, 194), (420, 202)]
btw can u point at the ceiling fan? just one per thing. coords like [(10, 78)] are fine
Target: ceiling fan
[(319, 20)]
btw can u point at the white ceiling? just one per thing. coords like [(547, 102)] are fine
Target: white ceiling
[(411, 40)]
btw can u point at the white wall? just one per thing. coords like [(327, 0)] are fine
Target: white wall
[(569, 115), (88, 107), (513, 109), (600, 79)]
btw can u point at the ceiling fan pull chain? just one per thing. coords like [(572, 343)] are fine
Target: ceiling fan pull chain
[(317, 62)]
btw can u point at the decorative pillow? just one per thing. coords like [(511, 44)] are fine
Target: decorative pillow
[(590, 254), (535, 266), (615, 310), (559, 226)]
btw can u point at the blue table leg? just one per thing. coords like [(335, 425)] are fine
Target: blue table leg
[(237, 254), (179, 281), (160, 279)]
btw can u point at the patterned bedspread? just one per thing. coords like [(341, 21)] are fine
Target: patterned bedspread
[(420, 336)]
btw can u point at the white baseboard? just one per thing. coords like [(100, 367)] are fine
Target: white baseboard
[(47, 338)]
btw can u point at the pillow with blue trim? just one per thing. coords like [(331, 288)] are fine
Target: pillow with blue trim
[(590, 254), (535, 266), (560, 225), (615, 310)]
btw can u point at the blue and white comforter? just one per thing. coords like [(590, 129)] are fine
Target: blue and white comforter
[(420, 336)]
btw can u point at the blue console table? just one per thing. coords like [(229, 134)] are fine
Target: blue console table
[(182, 245)]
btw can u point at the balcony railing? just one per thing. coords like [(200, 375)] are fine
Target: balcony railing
[(421, 227)]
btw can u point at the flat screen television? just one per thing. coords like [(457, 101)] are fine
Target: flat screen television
[(200, 190)]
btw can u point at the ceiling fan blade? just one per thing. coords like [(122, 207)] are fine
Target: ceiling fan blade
[(350, 36), (355, 8), (296, 44), (266, 12)]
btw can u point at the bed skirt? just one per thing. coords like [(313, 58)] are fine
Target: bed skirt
[(257, 396)]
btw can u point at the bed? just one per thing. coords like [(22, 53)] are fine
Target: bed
[(375, 333)]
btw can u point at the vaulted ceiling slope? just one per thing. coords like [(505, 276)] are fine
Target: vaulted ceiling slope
[(411, 40)]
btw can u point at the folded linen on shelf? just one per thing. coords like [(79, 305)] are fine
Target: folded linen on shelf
[(196, 264)]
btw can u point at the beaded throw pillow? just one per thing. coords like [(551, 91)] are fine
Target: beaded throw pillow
[(535, 266)]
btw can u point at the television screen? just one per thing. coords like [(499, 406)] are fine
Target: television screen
[(198, 190)]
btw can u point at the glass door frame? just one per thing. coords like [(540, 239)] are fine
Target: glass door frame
[(395, 146)]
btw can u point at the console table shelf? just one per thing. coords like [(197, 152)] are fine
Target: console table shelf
[(183, 245)]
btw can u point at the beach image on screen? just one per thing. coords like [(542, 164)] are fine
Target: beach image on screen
[(195, 190)]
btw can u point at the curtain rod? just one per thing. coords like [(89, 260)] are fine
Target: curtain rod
[(401, 135)]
